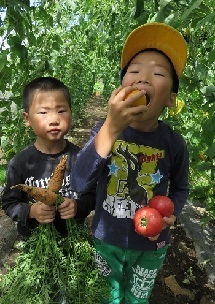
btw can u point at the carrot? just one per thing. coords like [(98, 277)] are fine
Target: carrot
[(56, 179), (45, 196)]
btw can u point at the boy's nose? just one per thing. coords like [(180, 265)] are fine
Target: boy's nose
[(143, 77), (54, 119), (143, 81)]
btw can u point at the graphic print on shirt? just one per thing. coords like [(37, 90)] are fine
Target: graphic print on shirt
[(133, 174), (65, 190)]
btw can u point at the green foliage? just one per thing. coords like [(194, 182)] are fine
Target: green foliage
[(51, 268), (80, 42)]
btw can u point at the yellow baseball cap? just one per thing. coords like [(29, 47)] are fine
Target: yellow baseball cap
[(158, 36)]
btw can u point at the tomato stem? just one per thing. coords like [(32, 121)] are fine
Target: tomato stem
[(143, 221)]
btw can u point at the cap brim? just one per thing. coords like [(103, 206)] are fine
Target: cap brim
[(159, 36)]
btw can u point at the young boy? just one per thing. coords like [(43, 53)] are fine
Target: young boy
[(47, 110), (133, 156)]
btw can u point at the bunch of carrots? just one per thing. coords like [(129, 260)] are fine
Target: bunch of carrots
[(52, 269)]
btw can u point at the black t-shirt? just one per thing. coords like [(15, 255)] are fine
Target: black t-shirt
[(34, 168)]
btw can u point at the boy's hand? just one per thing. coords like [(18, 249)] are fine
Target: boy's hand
[(119, 116), (120, 113), (68, 208), (167, 222), (42, 213)]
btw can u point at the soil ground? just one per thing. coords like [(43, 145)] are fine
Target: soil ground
[(183, 278)]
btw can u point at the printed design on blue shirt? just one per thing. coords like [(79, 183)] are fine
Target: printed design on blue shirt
[(132, 176)]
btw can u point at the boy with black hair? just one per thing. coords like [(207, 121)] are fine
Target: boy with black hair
[(133, 156), (47, 110)]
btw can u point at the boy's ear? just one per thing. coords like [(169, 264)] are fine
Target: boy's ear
[(172, 100), (26, 119)]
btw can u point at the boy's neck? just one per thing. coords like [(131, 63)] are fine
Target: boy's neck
[(50, 147), (146, 126)]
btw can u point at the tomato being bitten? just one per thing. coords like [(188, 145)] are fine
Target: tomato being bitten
[(148, 222), (140, 101)]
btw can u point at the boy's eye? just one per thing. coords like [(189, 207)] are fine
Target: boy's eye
[(42, 112), (134, 71), (61, 111), (158, 74)]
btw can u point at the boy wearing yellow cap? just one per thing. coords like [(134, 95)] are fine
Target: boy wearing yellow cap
[(132, 156)]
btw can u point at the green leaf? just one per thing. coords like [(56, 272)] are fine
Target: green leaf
[(3, 60), (3, 3), (164, 3), (208, 131), (190, 9), (211, 151), (204, 167), (2, 174), (210, 94), (159, 17), (211, 57), (139, 8), (204, 21)]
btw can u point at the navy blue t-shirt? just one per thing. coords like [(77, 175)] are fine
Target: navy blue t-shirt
[(140, 166)]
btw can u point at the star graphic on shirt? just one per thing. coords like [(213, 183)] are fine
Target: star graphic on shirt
[(113, 169), (156, 177)]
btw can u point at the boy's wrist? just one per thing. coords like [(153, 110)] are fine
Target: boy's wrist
[(32, 211), (106, 138), (111, 129)]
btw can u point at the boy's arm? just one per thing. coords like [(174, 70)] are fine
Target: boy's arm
[(119, 116), (179, 186), (85, 204), (90, 161), (179, 180), (14, 202)]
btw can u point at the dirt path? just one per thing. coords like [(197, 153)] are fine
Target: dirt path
[(183, 279)]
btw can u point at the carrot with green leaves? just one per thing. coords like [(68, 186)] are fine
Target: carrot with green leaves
[(71, 267)]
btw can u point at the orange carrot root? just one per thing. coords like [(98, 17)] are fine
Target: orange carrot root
[(45, 196), (56, 179)]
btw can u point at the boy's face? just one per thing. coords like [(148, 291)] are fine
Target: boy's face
[(151, 71), (49, 115)]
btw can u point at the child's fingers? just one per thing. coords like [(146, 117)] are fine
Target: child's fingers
[(68, 209), (169, 221), (119, 98), (67, 203), (120, 93), (42, 213), (154, 238)]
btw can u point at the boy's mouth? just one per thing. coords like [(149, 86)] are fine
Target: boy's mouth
[(147, 99)]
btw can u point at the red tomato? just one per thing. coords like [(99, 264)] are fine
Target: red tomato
[(162, 204), (148, 222)]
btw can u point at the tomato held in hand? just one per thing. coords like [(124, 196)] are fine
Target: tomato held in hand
[(148, 222), (162, 204)]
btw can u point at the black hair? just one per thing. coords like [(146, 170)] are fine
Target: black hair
[(43, 84), (175, 79)]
